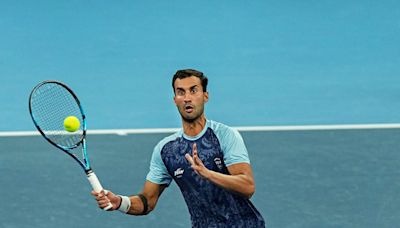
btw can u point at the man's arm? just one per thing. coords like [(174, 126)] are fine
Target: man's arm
[(150, 190), (240, 180)]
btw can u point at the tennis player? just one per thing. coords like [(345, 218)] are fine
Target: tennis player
[(208, 160)]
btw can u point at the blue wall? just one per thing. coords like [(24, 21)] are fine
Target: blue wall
[(269, 62)]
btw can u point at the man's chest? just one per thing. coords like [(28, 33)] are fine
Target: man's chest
[(209, 152)]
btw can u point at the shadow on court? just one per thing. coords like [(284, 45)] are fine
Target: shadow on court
[(335, 178)]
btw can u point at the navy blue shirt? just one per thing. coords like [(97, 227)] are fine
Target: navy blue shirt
[(209, 205)]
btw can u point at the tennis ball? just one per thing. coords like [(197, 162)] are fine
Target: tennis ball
[(71, 124)]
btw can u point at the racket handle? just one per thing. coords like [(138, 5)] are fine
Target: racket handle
[(94, 181)]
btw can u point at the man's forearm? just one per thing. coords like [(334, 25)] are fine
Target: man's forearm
[(136, 206), (239, 183)]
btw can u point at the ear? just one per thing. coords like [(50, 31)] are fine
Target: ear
[(205, 94), (174, 99)]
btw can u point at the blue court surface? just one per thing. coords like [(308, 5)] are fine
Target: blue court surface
[(311, 65), (314, 178)]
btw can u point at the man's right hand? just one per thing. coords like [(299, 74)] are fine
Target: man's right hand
[(105, 197)]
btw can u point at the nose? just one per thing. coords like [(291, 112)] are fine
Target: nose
[(187, 97)]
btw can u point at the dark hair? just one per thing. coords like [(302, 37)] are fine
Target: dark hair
[(181, 74)]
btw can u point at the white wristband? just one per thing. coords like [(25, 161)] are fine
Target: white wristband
[(125, 204)]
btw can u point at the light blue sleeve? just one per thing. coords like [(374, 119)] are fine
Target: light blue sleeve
[(232, 145), (158, 173)]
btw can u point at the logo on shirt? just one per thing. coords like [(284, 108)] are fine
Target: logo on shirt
[(218, 162), (179, 172)]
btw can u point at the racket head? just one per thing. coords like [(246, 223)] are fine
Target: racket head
[(50, 102)]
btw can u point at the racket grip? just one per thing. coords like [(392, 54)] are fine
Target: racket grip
[(94, 181)]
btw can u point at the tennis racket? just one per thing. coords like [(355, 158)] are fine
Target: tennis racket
[(50, 102)]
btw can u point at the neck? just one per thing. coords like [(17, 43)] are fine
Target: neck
[(193, 128)]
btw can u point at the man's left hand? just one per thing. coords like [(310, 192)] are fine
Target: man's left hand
[(197, 164)]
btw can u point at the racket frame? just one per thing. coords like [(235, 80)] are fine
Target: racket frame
[(85, 163)]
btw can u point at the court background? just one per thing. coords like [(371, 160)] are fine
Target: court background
[(270, 63)]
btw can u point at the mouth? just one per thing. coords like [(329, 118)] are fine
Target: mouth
[(189, 108)]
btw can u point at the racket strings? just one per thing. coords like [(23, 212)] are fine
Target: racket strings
[(51, 103)]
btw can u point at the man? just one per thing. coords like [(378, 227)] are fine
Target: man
[(208, 161)]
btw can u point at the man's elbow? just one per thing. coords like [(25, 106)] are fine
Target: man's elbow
[(250, 190), (150, 208)]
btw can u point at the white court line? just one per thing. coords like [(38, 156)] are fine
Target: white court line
[(243, 128), (320, 127)]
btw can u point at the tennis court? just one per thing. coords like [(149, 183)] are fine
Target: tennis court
[(270, 64), (305, 178)]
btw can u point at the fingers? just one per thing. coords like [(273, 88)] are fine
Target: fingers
[(101, 198), (94, 193), (194, 149), (192, 160), (189, 158), (195, 155), (196, 159), (196, 163)]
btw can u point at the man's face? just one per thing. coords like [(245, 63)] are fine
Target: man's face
[(190, 98)]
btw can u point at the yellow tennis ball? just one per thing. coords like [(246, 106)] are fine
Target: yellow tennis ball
[(71, 124)]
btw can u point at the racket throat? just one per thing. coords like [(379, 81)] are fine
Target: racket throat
[(88, 172)]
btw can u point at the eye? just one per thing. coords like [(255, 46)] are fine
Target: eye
[(194, 90), (180, 92)]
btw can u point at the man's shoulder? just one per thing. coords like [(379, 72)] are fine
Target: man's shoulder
[(221, 128), (168, 139), (226, 135)]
